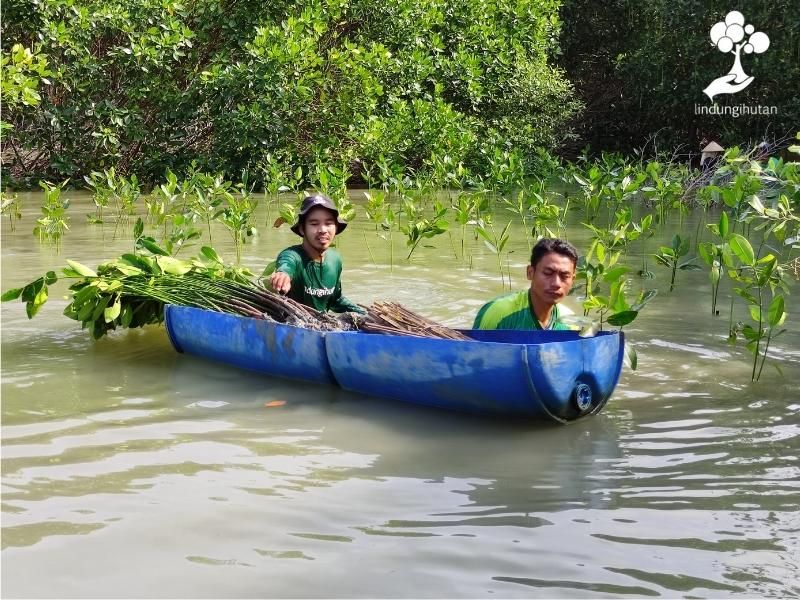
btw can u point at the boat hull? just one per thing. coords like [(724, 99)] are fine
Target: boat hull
[(255, 344), (555, 375), (550, 374)]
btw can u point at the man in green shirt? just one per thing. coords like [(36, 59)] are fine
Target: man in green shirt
[(551, 273), (310, 273)]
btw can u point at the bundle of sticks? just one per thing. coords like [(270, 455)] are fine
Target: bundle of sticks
[(395, 319), (382, 317)]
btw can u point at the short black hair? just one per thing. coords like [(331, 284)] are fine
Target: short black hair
[(547, 245)]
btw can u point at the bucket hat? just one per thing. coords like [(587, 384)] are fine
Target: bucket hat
[(314, 201)]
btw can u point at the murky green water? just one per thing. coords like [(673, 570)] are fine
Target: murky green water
[(131, 471)]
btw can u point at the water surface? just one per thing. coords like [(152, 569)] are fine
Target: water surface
[(129, 470)]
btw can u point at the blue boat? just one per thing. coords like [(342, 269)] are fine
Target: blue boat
[(555, 375), (551, 374), (255, 344)]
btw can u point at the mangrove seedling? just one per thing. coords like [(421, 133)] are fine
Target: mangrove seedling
[(662, 191), (418, 228), (592, 183), (759, 278), (717, 256), (100, 195), (11, 206), (496, 244), (236, 217), (274, 178), (54, 222), (466, 212), (671, 257)]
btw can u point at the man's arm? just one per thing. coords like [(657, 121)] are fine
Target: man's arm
[(287, 266)]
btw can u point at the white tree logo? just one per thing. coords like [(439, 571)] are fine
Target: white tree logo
[(732, 36)]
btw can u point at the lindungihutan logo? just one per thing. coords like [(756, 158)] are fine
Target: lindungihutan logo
[(733, 36)]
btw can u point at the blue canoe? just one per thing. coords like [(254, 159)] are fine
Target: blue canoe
[(255, 344), (550, 374)]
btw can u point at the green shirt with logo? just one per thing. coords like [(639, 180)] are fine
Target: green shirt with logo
[(514, 311), (315, 284)]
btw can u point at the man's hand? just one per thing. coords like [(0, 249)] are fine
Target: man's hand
[(280, 282)]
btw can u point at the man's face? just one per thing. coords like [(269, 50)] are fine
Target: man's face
[(552, 278), (319, 229)]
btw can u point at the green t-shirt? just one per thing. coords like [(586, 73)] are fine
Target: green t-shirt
[(315, 284), (514, 311)]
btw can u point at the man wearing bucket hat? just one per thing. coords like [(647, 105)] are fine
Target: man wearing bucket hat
[(310, 273)]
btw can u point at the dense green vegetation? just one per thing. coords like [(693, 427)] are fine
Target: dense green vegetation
[(363, 86), (369, 89)]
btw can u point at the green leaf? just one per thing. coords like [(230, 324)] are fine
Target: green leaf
[(601, 252), (30, 291), (128, 271), (775, 312), (485, 235), (723, 225), (138, 229), (755, 202), (742, 249), (112, 312), (708, 252), (127, 315), (580, 180), (84, 294), (144, 263), (662, 260), (614, 274), (683, 246), (150, 244), (746, 295), (755, 313), (269, 269), (621, 319), (11, 294), (172, 265), (100, 307), (31, 308), (81, 269), (210, 254)]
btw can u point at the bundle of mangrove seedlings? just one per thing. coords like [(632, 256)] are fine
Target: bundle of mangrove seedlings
[(395, 319), (132, 290)]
